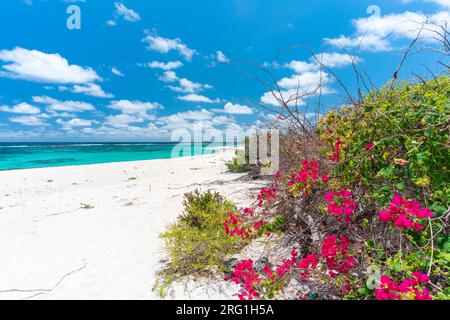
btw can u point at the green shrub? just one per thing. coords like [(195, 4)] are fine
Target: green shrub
[(197, 244), (396, 142), (240, 163), (235, 165), (408, 127)]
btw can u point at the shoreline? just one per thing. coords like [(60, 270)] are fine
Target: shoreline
[(204, 152), (92, 231), (220, 150)]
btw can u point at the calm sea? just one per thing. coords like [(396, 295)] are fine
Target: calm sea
[(41, 155)]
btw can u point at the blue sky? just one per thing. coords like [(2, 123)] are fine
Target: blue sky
[(137, 70)]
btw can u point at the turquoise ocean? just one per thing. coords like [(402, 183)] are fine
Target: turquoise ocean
[(42, 155)]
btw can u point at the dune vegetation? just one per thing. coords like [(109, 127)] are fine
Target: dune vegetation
[(364, 200), (360, 203)]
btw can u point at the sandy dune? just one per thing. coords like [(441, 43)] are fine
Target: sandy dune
[(91, 232)]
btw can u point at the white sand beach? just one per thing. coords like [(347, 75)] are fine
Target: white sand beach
[(92, 232)]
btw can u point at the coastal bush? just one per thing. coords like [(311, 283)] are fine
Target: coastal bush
[(361, 201), (236, 165), (367, 206), (396, 141), (393, 149), (197, 243), (240, 163)]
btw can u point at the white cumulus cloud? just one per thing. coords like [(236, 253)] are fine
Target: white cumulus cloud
[(377, 33), (23, 108), (191, 118), (123, 120), (91, 89), (33, 120), (38, 66), (221, 57), (305, 82), (328, 59), (75, 122), (135, 107), (165, 65), (117, 72), (184, 85), (54, 106), (126, 13), (193, 97), (237, 109), (165, 45)]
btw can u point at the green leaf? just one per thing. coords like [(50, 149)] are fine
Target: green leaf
[(387, 172), (400, 186), (447, 247), (396, 267), (438, 208), (362, 291)]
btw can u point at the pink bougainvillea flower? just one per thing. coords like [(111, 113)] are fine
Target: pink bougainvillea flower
[(306, 264), (336, 156), (245, 275), (268, 271), (385, 216), (408, 289), (405, 214), (249, 211), (303, 179), (329, 197), (341, 204), (267, 195), (286, 265), (421, 277), (239, 224), (336, 256)]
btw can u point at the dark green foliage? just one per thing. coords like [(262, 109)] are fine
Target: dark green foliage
[(240, 163), (197, 243)]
